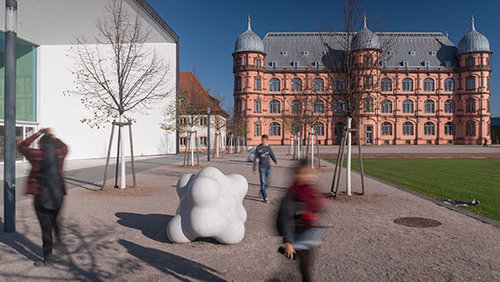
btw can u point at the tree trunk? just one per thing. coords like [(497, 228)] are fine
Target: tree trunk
[(348, 168), (123, 183)]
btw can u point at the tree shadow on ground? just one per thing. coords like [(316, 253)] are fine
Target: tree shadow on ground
[(170, 264), (153, 226), (20, 244)]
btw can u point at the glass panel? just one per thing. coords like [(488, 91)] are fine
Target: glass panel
[(19, 138), (26, 79)]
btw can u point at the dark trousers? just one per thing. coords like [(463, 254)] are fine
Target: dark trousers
[(306, 261), (48, 223)]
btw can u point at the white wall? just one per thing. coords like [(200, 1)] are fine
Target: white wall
[(63, 113)]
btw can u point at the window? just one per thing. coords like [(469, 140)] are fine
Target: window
[(386, 84), (257, 106), (239, 105), (257, 84), (449, 84), (296, 128), (257, 62), (383, 64), (469, 62), (386, 129), (407, 106), (274, 129), (470, 105), (339, 128), (284, 53), (296, 84), (315, 64), (319, 129), (296, 107), (318, 106), (404, 64), (257, 129), (339, 84), (238, 61), (368, 82), (238, 83), (368, 60), (470, 128), (274, 85), (318, 84), (412, 53), (429, 128), (386, 106), (339, 106), (407, 84), (273, 64), (274, 107), (203, 141), (203, 121), (182, 120), (182, 141), (428, 84), (407, 128), (449, 107), (427, 64), (470, 83), (449, 129), (369, 105), (428, 106), (305, 53)]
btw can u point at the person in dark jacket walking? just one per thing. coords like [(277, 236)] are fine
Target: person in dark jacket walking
[(298, 219), (46, 183), (264, 154)]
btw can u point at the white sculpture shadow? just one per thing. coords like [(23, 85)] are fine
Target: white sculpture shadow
[(211, 206)]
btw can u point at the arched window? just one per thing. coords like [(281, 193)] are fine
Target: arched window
[(428, 84), (386, 129), (368, 81), (257, 129), (470, 128), (238, 61), (429, 106), (274, 107), (296, 84), (318, 84), (470, 105), (449, 84), (239, 105), (274, 129), (386, 84), (257, 84), (339, 106), (369, 104), (339, 127), (470, 83), (407, 128), (319, 129), (296, 107), (257, 106), (386, 106), (318, 106), (368, 60), (407, 106), (274, 85), (470, 62), (429, 128), (407, 84), (449, 128), (449, 107), (296, 128), (238, 83), (339, 84)]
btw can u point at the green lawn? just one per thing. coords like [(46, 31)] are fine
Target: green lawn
[(458, 179)]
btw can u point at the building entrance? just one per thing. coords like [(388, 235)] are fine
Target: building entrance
[(369, 134)]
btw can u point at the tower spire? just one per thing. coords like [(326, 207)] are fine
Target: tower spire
[(364, 21), (249, 24), (472, 21)]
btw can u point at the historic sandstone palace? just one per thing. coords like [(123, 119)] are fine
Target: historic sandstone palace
[(428, 91)]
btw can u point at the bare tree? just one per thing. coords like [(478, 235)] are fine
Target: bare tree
[(117, 72), (352, 63)]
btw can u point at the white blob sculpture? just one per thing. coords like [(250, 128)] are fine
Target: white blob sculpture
[(211, 206)]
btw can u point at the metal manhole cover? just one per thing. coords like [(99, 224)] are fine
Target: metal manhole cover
[(417, 222)]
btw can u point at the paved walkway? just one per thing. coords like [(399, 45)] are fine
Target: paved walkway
[(119, 235)]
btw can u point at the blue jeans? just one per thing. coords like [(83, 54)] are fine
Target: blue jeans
[(264, 173)]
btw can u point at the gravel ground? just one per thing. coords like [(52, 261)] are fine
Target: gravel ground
[(115, 235)]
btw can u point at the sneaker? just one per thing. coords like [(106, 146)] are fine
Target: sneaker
[(43, 262), (266, 200)]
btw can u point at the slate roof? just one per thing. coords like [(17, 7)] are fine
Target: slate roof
[(195, 97), (305, 48)]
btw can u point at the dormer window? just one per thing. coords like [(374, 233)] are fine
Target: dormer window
[(390, 53), (404, 64), (433, 53), (305, 53), (284, 53), (324, 52), (295, 64), (426, 64), (273, 64), (383, 63), (412, 53), (315, 64)]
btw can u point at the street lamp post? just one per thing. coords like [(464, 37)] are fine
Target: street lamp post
[(9, 166), (208, 134)]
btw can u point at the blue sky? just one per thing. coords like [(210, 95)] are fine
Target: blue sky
[(208, 29)]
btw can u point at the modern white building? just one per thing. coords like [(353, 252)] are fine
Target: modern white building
[(47, 30)]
